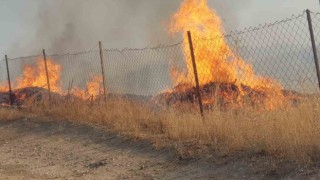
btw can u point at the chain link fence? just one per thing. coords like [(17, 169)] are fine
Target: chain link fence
[(145, 72), (277, 54)]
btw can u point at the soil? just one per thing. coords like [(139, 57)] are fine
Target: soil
[(43, 148)]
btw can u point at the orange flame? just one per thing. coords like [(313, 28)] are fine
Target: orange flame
[(93, 89), (216, 62), (3, 87), (95, 85), (35, 76)]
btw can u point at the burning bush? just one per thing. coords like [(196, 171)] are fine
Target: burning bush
[(226, 96), (217, 64)]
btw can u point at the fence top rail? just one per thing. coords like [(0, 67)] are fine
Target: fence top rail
[(265, 25), (254, 28), (24, 57), (163, 46), (315, 13), (74, 54)]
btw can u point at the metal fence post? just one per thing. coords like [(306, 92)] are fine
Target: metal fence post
[(9, 81), (195, 73), (314, 47), (102, 71), (47, 73)]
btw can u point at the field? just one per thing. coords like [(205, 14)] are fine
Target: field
[(38, 147), (128, 140), (290, 133), (135, 113)]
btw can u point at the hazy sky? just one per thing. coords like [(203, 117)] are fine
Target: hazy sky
[(18, 17)]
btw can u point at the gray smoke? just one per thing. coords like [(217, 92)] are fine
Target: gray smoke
[(75, 25), (64, 26), (229, 11)]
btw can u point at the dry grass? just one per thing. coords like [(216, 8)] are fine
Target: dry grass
[(8, 114), (291, 133)]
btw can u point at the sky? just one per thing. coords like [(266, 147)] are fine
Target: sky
[(22, 22)]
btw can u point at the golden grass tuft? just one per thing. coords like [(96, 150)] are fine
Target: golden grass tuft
[(285, 133)]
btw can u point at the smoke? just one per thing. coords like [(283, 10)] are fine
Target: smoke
[(75, 25), (66, 26), (229, 11)]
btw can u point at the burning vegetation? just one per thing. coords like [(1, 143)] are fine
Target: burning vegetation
[(225, 79), (35, 76), (32, 84)]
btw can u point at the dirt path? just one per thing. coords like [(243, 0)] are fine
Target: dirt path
[(42, 149)]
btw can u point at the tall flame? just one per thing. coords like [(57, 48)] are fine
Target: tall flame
[(216, 62), (35, 76)]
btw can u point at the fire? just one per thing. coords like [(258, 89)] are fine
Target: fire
[(216, 61), (35, 76), (3, 87), (95, 85), (93, 89)]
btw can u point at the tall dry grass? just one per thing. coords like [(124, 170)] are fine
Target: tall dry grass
[(9, 114), (291, 133)]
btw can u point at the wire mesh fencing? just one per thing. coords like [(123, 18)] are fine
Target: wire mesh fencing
[(80, 74), (281, 51), (145, 72), (272, 61), (265, 65)]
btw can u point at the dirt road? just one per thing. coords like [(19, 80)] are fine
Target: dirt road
[(49, 149)]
